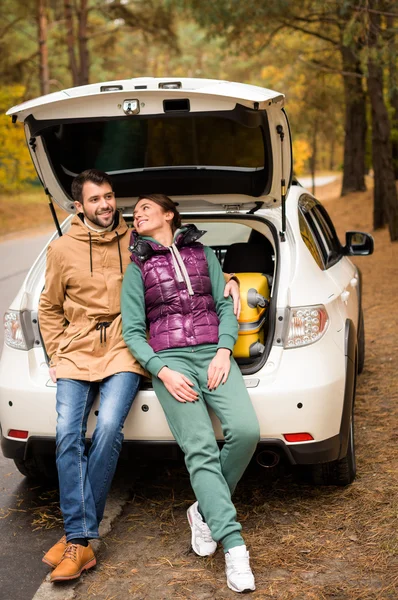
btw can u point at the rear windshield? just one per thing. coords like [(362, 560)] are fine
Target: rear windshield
[(132, 144), (201, 154)]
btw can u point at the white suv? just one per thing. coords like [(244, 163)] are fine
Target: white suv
[(223, 152)]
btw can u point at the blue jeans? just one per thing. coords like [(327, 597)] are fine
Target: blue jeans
[(85, 479)]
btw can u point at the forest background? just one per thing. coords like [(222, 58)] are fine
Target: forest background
[(336, 62)]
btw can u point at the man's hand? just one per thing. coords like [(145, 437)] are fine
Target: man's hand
[(179, 386), (219, 367), (52, 371), (232, 289)]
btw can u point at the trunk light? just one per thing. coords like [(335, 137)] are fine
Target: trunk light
[(111, 88), (307, 324), (13, 330), (17, 433), (170, 85), (298, 437)]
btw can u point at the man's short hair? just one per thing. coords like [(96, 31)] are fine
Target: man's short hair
[(92, 175)]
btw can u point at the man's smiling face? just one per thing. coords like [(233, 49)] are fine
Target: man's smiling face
[(99, 204)]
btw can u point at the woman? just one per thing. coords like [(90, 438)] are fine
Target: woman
[(176, 285)]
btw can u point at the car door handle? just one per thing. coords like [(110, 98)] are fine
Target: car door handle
[(344, 296)]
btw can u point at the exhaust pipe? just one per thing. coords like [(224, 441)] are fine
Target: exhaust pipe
[(267, 459)]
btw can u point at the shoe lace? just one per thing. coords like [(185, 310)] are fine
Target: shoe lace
[(71, 552), (205, 531), (241, 565)]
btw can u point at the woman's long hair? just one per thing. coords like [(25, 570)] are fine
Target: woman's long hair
[(167, 205)]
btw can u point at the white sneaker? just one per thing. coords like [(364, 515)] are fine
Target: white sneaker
[(237, 567), (201, 540)]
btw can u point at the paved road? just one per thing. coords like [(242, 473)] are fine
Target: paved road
[(21, 547), (16, 258), (319, 181)]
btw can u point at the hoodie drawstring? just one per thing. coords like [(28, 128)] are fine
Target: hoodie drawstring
[(102, 328), (120, 254), (91, 255), (180, 269)]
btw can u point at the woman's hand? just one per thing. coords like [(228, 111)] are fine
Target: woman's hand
[(219, 367), (179, 386), (232, 289)]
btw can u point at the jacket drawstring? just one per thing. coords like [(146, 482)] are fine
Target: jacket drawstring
[(91, 255), (102, 328), (177, 269), (120, 254), (180, 269)]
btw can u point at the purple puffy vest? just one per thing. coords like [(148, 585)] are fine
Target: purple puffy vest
[(176, 319)]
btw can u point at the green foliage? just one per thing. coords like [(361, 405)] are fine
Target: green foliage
[(281, 44)]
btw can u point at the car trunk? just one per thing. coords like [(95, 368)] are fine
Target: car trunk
[(220, 150), (205, 138), (246, 245)]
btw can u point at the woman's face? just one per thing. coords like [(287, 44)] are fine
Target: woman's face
[(149, 217)]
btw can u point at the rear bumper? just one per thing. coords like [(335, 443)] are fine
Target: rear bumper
[(295, 454), (296, 391)]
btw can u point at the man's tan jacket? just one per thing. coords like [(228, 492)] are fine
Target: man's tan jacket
[(84, 276)]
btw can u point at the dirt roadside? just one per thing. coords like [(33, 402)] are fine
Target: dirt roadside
[(305, 542)]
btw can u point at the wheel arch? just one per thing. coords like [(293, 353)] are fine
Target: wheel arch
[(350, 351)]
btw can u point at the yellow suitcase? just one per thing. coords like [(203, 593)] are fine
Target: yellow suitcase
[(254, 295)]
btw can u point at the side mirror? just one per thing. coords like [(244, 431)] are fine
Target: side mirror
[(358, 244)]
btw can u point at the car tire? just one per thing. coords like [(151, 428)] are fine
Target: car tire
[(361, 343), (39, 469), (339, 472)]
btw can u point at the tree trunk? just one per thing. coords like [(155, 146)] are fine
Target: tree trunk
[(332, 153), (314, 154), (83, 48), (70, 41), (43, 48), (355, 126), (385, 192), (393, 89)]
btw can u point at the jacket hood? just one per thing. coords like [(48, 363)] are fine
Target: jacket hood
[(79, 231), (144, 248)]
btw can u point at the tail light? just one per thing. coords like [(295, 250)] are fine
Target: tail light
[(298, 437), (307, 324), (17, 328), (18, 434)]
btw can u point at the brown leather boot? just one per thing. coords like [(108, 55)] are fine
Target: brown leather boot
[(75, 559), (54, 555)]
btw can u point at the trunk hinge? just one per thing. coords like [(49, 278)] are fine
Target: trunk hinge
[(53, 213), (255, 208), (281, 134), (32, 144)]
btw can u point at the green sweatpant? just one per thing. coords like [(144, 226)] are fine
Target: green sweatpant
[(213, 473)]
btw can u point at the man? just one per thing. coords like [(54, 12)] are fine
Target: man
[(80, 322)]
